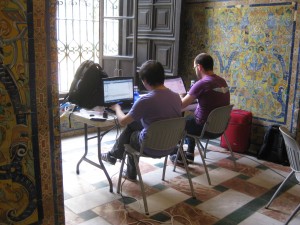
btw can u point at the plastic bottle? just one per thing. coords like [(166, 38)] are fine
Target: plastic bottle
[(136, 94), (192, 83)]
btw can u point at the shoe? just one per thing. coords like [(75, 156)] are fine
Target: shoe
[(108, 158), (128, 177), (173, 158), (189, 157)]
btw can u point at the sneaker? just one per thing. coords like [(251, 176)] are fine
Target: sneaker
[(128, 177), (189, 157), (173, 158), (108, 158)]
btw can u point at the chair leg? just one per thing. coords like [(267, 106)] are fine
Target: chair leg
[(164, 169), (187, 170), (230, 149), (278, 189), (292, 215), (205, 147), (120, 174), (136, 162), (202, 157), (175, 162)]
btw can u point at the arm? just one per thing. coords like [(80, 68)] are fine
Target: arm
[(122, 118), (187, 100)]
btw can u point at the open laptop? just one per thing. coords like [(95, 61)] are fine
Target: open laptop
[(176, 84), (118, 90)]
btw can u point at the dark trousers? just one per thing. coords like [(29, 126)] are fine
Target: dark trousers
[(130, 135), (194, 129)]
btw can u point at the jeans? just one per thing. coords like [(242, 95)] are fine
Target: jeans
[(130, 135), (194, 129)]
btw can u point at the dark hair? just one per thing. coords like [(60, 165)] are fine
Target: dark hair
[(205, 60), (152, 72)]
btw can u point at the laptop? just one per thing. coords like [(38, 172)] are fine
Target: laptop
[(176, 84), (118, 90)]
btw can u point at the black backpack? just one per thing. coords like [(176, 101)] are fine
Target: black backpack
[(273, 148), (86, 87)]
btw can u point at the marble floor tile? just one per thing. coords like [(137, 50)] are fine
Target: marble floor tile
[(160, 201), (90, 200), (236, 196), (260, 219), (217, 176), (95, 221), (223, 204), (267, 179)]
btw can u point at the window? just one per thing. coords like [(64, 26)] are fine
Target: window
[(78, 35)]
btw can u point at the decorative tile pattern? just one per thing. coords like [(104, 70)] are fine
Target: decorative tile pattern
[(253, 51), (35, 76), (236, 196)]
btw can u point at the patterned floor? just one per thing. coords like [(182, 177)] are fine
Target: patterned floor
[(236, 196)]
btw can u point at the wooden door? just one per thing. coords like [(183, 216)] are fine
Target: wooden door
[(157, 23), (158, 32)]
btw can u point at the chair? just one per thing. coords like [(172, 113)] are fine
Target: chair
[(213, 128), (161, 136), (293, 152)]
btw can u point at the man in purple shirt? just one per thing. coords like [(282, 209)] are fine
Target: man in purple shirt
[(160, 103), (211, 91)]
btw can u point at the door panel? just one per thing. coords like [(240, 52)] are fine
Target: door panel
[(157, 21), (163, 52), (157, 25)]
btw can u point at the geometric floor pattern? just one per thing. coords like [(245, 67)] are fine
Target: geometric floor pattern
[(235, 196)]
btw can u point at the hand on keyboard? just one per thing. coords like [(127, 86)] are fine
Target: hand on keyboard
[(109, 110)]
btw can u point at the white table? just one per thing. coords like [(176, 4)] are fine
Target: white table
[(103, 127)]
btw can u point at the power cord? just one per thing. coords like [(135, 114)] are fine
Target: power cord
[(146, 221), (124, 200)]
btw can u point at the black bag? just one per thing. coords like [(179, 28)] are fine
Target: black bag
[(273, 148), (86, 87)]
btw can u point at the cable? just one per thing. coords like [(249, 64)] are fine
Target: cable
[(146, 221)]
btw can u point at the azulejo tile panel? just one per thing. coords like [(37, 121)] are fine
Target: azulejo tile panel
[(252, 45), (17, 175)]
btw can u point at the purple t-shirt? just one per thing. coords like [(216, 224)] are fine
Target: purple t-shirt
[(156, 105), (212, 92)]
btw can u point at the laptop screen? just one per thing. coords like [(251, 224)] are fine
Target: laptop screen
[(117, 90), (175, 84)]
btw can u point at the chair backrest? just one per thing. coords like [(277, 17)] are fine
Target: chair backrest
[(217, 122), (164, 135), (292, 148)]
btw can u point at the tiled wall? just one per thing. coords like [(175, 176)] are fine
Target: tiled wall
[(255, 45), (30, 156), (28, 42)]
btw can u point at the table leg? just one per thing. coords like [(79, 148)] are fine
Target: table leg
[(85, 148), (84, 158), (99, 137)]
